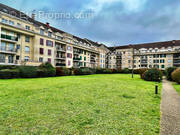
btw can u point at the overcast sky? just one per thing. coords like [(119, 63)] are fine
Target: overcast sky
[(113, 22)]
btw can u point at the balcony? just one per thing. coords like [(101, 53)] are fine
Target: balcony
[(9, 38), (61, 57), (60, 64), (9, 50), (61, 49), (9, 62), (76, 59)]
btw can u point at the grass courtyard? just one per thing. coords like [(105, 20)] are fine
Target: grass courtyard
[(85, 105)]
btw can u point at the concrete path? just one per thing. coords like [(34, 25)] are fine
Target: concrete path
[(170, 110)]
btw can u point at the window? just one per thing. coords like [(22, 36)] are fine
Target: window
[(84, 58), (162, 61), (27, 39), (69, 63), (10, 47), (18, 47), (27, 27), (169, 61), (49, 52), (162, 66), (10, 59), (17, 57), (40, 59), (4, 20), (49, 43), (11, 22), (18, 24), (26, 58), (49, 60), (27, 50), (41, 51), (41, 41), (41, 31), (2, 58), (84, 64), (80, 57), (3, 46), (69, 48), (49, 34), (69, 55)]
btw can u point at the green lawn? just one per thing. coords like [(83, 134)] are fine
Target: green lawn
[(85, 105), (177, 87)]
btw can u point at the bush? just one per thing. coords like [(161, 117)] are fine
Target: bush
[(169, 72), (83, 71), (46, 70), (140, 71), (152, 75), (7, 67), (99, 71), (126, 71), (107, 71), (63, 71), (28, 71), (176, 75), (9, 74)]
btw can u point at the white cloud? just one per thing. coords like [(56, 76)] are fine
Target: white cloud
[(130, 5)]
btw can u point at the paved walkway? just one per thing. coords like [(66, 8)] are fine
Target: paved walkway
[(170, 110)]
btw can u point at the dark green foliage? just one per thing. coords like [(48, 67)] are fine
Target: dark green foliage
[(152, 75), (9, 74), (169, 72), (83, 71), (126, 71), (46, 70), (63, 71), (28, 71), (176, 75), (7, 67)]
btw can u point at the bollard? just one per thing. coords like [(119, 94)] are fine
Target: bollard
[(156, 89)]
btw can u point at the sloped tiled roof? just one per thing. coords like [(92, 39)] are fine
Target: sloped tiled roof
[(164, 44)]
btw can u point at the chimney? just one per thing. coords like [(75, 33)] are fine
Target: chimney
[(48, 25), (33, 16)]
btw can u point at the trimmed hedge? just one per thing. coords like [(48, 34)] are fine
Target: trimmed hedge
[(169, 72), (28, 71), (63, 71), (9, 74), (83, 71), (46, 70), (176, 75), (152, 75)]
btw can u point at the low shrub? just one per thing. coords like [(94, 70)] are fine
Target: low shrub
[(176, 75), (7, 67), (107, 71), (140, 71), (126, 71), (152, 75), (83, 71), (46, 70), (9, 74), (63, 71), (169, 72), (99, 71), (28, 71)]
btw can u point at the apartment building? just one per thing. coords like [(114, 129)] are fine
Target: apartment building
[(159, 55), (25, 41)]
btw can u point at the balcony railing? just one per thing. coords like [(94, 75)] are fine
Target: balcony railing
[(76, 59), (8, 37), (60, 57), (9, 62), (60, 64), (8, 49), (61, 49)]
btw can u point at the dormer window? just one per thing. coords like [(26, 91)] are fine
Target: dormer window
[(11, 22), (18, 24), (41, 31), (49, 34), (27, 27), (4, 20)]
